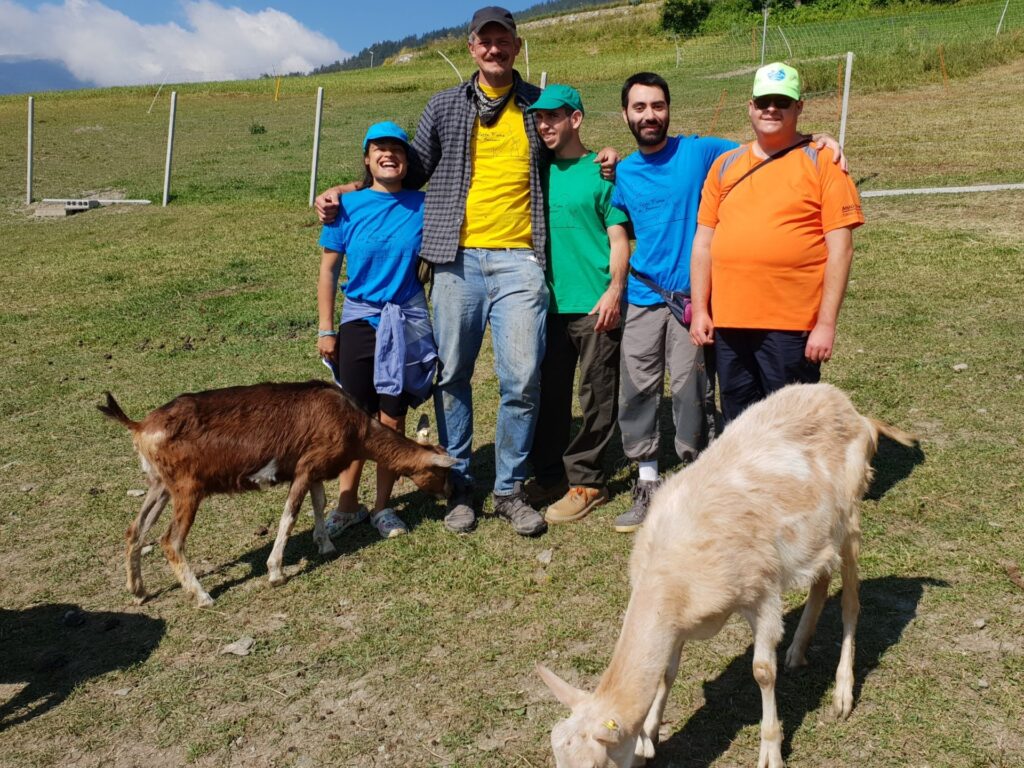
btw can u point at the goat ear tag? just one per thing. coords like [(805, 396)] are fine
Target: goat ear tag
[(608, 733)]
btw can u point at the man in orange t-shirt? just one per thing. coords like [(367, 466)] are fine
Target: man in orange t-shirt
[(772, 253)]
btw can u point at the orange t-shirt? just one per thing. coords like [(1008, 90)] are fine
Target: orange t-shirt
[(768, 252)]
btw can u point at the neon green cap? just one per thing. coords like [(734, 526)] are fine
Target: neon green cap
[(777, 79)]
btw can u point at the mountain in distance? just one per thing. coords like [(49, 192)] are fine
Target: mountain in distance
[(385, 48), (35, 75)]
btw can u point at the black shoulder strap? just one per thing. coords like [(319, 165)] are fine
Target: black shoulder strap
[(782, 153)]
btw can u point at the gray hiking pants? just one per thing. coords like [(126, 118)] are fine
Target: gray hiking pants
[(651, 339)]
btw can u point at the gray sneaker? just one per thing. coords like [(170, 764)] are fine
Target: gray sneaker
[(525, 520), (632, 519), (460, 518)]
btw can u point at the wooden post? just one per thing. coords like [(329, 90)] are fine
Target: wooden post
[(277, 89), (718, 109), (942, 66)]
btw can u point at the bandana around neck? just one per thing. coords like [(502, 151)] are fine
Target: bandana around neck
[(489, 108)]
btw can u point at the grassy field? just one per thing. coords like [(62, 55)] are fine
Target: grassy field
[(420, 651)]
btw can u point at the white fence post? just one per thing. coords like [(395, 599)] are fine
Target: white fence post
[(764, 33), (461, 79), (526, 46), (543, 80), (170, 147), (31, 120), (846, 98), (316, 143), (1003, 16)]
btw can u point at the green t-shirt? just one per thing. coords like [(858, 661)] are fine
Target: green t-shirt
[(579, 214)]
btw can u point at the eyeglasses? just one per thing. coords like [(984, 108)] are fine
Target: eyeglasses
[(780, 102)]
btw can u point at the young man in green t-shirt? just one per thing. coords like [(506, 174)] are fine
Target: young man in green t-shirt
[(588, 257)]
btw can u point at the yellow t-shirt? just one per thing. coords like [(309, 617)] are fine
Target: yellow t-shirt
[(498, 203)]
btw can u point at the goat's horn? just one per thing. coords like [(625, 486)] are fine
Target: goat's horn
[(564, 692)]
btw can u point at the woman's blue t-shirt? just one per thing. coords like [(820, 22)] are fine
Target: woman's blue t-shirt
[(380, 234)]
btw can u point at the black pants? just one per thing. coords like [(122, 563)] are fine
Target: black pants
[(754, 363), (357, 344), (580, 460)]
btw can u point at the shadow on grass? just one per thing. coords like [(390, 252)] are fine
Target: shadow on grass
[(732, 701), (892, 463), (299, 545), (51, 649), (414, 506)]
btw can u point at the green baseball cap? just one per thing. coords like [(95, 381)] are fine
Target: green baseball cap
[(777, 79), (556, 97)]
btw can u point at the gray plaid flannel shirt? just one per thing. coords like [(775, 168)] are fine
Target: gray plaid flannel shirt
[(441, 154)]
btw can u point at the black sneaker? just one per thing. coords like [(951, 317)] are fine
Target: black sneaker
[(525, 520), (460, 518), (634, 517)]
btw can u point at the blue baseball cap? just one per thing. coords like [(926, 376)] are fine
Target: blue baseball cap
[(385, 130)]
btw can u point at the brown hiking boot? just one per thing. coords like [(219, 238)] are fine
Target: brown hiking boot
[(576, 504)]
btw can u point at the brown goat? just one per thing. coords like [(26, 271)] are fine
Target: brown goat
[(772, 505), (247, 438)]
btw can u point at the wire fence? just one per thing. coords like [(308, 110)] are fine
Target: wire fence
[(255, 140), (903, 35)]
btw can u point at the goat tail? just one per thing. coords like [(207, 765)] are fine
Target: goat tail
[(113, 411), (893, 433)]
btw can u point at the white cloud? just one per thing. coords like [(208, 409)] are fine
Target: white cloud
[(106, 47)]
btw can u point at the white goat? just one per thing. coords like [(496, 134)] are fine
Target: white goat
[(771, 505)]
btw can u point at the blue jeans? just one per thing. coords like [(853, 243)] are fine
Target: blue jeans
[(506, 288)]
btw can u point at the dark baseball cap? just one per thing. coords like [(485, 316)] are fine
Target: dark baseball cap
[(492, 14)]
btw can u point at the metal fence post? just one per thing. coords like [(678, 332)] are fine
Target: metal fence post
[(316, 144), (846, 99), (31, 121), (170, 148)]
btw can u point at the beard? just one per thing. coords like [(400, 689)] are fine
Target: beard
[(649, 140)]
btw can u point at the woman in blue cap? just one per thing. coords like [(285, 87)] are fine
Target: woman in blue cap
[(383, 349)]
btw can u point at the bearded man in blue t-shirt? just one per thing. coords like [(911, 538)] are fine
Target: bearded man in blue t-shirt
[(659, 188)]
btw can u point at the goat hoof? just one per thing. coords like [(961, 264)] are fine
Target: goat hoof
[(277, 579), (204, 600), (795, 659), (842, 705), (328, 549), (140, 599)]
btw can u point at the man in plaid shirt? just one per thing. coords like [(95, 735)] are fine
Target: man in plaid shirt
[(485, 233)]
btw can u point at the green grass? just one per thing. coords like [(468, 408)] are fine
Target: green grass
[(419, 652)]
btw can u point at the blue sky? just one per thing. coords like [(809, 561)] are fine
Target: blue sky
[(125, 42)]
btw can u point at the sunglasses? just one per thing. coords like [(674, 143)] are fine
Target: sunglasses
[(780, 102)]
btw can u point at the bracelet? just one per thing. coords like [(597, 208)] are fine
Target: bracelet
[(321, 333)]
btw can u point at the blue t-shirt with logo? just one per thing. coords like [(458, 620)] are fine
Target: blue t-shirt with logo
[(380, 234), (661, 193)]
